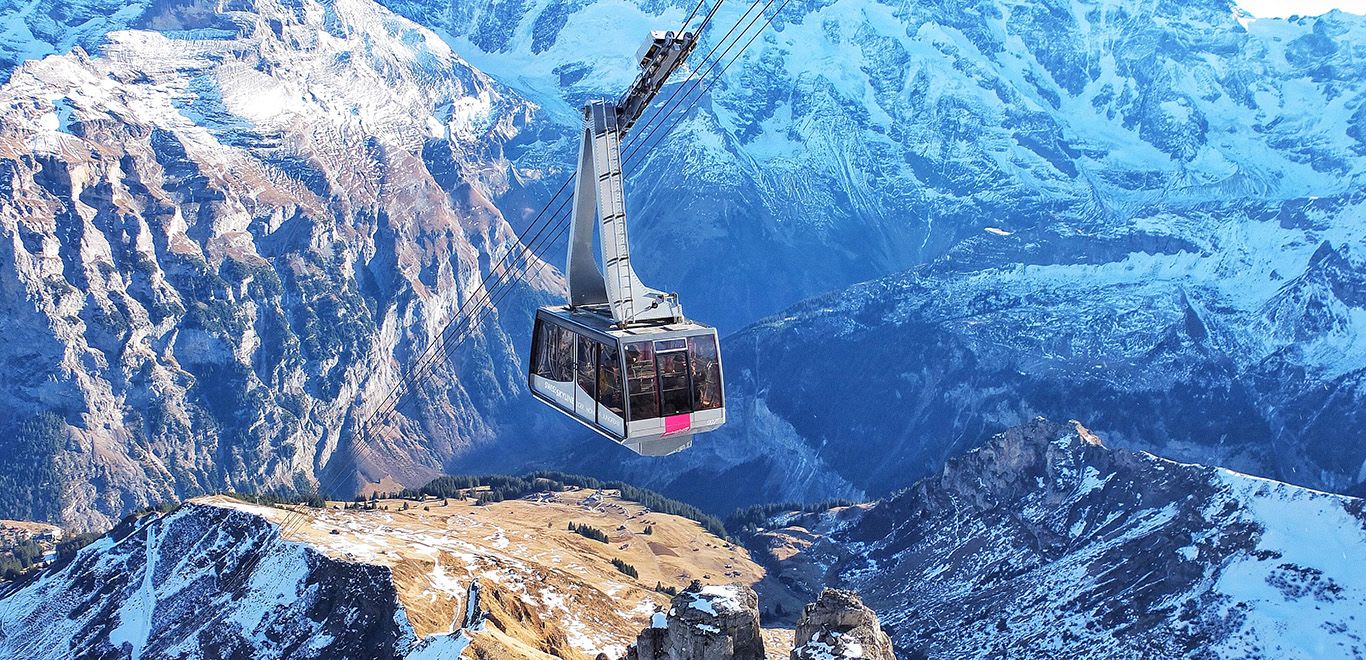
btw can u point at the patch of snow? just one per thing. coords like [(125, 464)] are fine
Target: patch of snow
[(1091, 481), (441, 647)]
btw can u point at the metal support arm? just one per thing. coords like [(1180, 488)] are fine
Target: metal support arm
[(600, 199)]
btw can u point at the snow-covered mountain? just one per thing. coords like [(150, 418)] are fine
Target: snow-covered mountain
[(857, 138), (1178, 349), (213, 581), (1044, 543), (226, 237)]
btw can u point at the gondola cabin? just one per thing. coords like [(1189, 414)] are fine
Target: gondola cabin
[(620, 357), (649, 388)]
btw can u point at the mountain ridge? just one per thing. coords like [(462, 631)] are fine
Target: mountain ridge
[(1044, 541)]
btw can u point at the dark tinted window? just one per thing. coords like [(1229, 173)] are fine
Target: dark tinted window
[(675, 393), (609, 379), (640, 380), (587, 370), (538, 342), (553, 353), (670, 345), (706, 372)]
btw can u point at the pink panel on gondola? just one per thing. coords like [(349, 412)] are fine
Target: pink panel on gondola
[(677, 423)]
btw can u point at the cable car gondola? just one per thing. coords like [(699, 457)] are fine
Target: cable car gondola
[(620, 357)]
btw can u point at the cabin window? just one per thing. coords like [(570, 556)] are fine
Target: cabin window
[(587, 367), (670, 345), (675, 391), (706, 372), (554, 353), (609, 380), (640, 381)]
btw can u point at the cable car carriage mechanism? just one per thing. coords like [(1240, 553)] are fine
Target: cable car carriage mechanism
[(620, 357)]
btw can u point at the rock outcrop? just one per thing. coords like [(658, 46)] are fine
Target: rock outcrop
[(722, 623), (838, 625), (712, 622)]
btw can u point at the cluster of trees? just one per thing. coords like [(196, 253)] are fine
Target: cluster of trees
[(750, 518), (281, 496), (72, 543), (664, 589), (29, 475), (17, 560), (588, 531), (625, 568), (159, 507), (501, 487)]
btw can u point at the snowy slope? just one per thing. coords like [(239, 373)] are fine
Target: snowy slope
[(33, 29), (1043, 543), (205, 581)]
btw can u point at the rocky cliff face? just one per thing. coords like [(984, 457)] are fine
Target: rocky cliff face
[(722, 623), (719, 622), (1044, 542), (225, 236), (839, 626)]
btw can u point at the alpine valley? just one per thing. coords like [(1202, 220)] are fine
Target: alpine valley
[(231, 227)]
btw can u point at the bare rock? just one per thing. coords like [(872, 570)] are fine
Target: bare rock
[(838, 625), (711, 622)]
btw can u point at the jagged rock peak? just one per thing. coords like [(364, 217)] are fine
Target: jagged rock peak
[(838, 625), (717, 622)]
